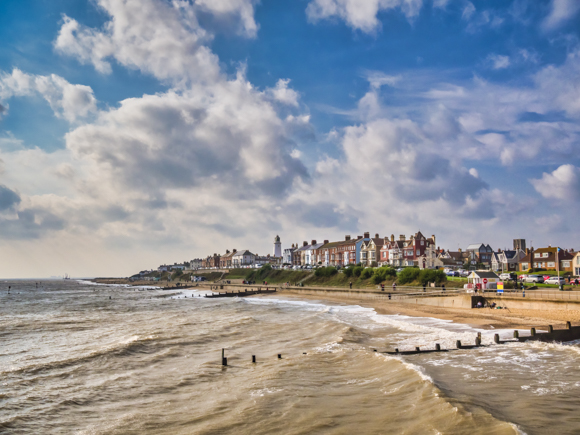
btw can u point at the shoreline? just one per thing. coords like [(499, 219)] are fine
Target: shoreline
[(483, 318)]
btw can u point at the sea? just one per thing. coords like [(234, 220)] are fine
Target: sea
[(80, 358)]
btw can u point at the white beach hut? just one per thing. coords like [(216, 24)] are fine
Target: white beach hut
[(483, 279)]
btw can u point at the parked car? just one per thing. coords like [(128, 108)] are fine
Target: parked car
[(508, 276), (464, 273), (452, 273), (534, 278), (555, 280)]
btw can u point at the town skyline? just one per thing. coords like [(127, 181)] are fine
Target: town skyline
[(137, 131)]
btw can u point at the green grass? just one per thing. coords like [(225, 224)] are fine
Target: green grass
[(308, 278)]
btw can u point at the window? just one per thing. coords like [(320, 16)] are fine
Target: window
[(536, 255), (418, 253), (545, 255), (422, 242), (551, 264), (565, 264), (525, 266)]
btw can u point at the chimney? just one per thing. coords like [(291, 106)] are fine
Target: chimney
[(358, 237), (305, 243), (313, 242), (325, 242), (392, 237), (227, 251), (458, 249), (376, 235), (433, 237), (346, 238), (367, 235), (234, 250), (402, 237)]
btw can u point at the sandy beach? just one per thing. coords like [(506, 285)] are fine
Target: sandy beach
[(482, 318)]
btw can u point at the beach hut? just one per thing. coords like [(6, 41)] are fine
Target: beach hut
[(481, 279)]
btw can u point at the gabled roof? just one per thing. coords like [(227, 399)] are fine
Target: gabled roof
[(243, 252), (475, 246), (330, 245), (484, 274), (510, 254)]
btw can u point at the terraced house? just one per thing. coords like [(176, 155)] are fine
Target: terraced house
[(346, 251), (370, 251), (408, 252)]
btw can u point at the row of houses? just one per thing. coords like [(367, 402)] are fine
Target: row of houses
[(366, 250), (239, 259), (415, 250)]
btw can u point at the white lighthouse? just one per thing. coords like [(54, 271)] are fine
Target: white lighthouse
[(277, 247)]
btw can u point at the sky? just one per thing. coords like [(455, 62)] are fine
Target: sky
[(140, 132)]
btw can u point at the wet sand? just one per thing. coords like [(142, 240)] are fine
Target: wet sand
[(482, 318)]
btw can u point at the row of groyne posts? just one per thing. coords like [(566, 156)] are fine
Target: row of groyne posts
[(239, 293), (560, 335), (225, 359)]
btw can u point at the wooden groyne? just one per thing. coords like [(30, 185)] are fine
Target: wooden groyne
[(239, 293), (178, 287), (571, 333)]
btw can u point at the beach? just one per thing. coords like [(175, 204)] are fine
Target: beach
[(483, 317)]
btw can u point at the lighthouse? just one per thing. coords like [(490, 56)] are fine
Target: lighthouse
[(277, 247)]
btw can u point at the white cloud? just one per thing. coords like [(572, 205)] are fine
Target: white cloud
[(498, 61), (360, 14), (243, 8), (468, 11), (561, 11), (377, 79), (563, 183), (283, 93), (68, 101), (159, 38)]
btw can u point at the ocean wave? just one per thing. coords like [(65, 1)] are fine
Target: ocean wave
[(129, 346)]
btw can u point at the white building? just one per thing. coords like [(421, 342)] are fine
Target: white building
[(277, 247), (243, 258)]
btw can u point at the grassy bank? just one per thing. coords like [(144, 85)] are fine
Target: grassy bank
[(330, 277)]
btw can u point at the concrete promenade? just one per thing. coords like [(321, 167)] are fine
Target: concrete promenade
[(432, 296)]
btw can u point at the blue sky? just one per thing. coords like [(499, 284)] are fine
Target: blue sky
[(137, 132)]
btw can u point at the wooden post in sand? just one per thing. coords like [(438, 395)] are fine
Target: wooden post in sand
[(532, 331), (253, 358), (279, 356), (458, 344), (550, 329), (437, 346), (417, 349), (568, 325), (516, 334), (496, 338)]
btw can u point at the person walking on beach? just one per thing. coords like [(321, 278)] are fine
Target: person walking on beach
[(394, 286), (350, 284)]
